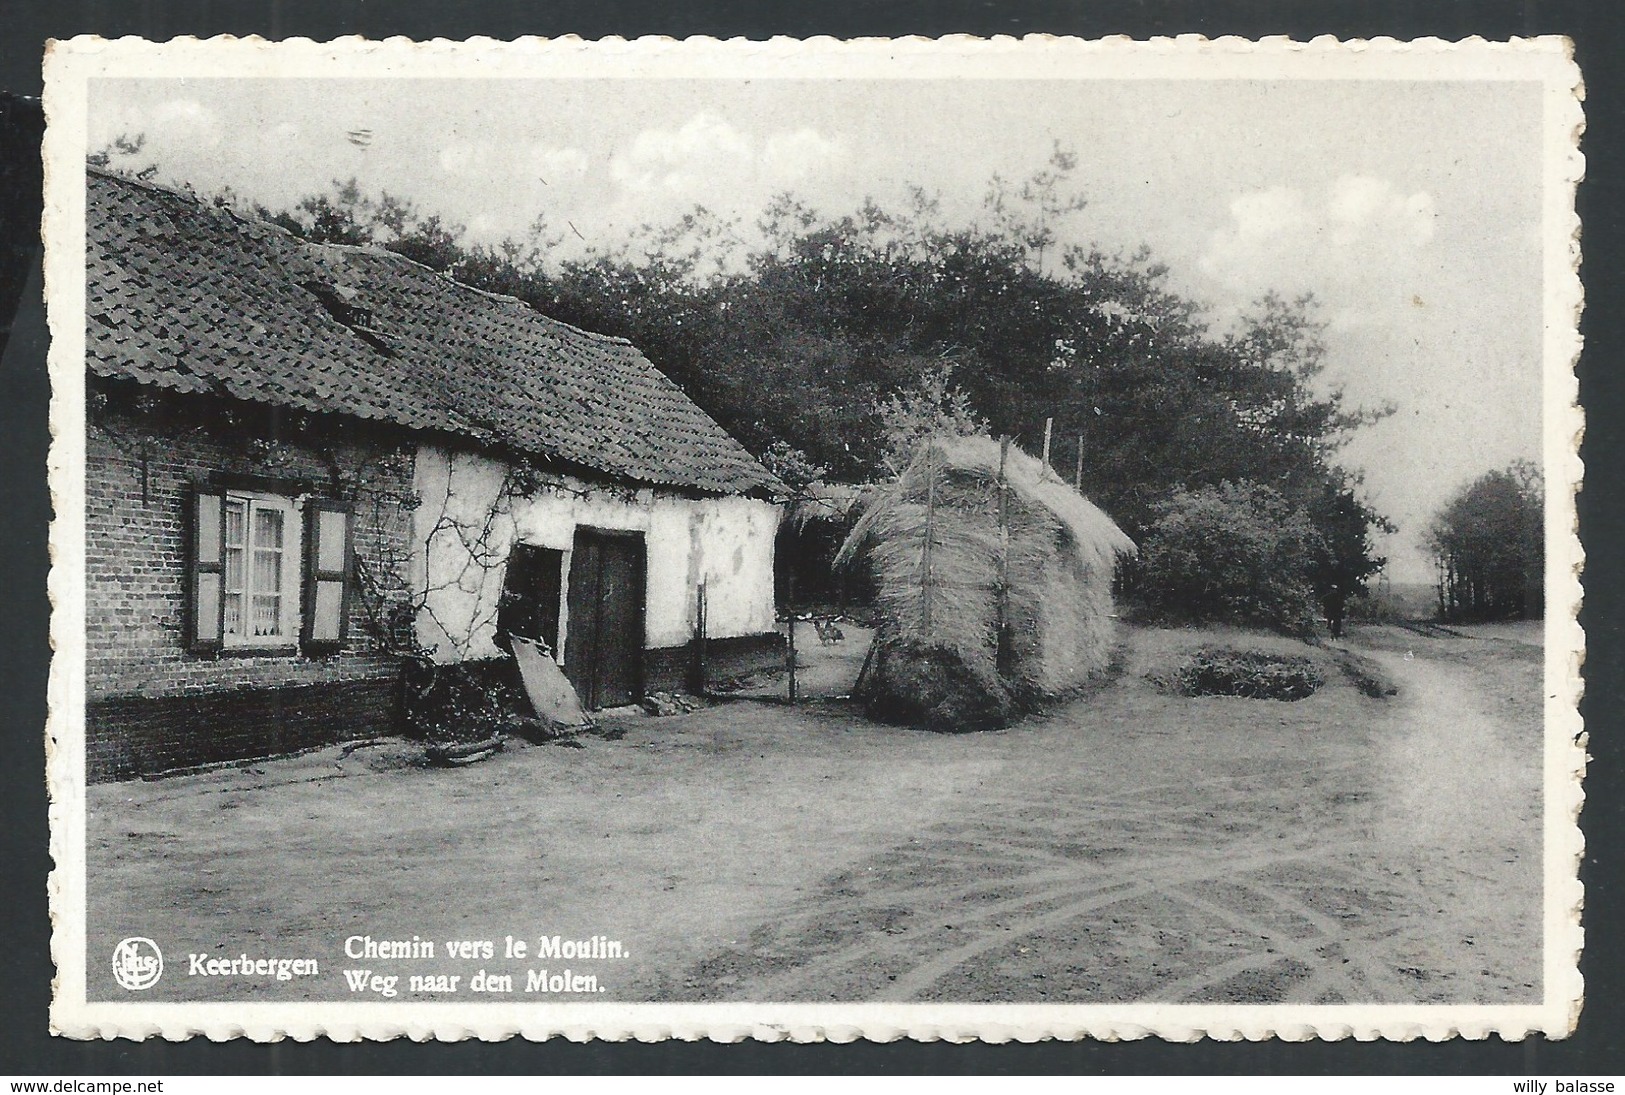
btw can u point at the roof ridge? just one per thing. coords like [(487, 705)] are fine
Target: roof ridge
[(145, 184), (376, 249), (198, 202)]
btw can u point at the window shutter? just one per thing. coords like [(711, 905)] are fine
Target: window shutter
[(205, 571), (329, 570)]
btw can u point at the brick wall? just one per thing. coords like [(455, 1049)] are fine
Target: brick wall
[(132, 736), (672, 668), (149, 701)]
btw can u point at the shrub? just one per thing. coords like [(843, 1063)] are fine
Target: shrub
[(1236, 553), (463, 702), (1253, 674)]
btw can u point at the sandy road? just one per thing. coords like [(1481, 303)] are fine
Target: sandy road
[(1135, 846), (1338, 850)]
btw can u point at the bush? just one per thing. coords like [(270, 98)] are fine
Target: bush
[(463, 702), (1252, 674), (1236, 553), (938, 687)]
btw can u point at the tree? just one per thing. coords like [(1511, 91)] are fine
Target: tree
[(1488, 546), (1042, 204), (121, 157), (829, 332), (1235, 553), (1344, 558), (932, 407), (792, 468)]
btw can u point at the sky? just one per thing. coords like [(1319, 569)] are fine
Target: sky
[(1410, 210)]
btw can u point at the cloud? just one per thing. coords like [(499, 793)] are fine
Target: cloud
[(676, 160), (790, 157), (501, 183), (186, 116), (1358, 244), (1365, 248), (172, 127), (557, 163), (661, 172), (521, 160)]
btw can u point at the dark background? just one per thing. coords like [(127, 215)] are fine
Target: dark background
[(25, 967)]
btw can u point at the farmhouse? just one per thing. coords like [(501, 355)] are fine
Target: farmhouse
[(303, 460), (994, 581)]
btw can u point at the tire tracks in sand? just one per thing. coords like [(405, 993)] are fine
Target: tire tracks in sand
[(1402, 869)]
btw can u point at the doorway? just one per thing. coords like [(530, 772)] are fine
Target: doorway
[(530, 595), (603, 651)]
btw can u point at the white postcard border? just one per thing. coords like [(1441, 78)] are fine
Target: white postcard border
[(70, 65)]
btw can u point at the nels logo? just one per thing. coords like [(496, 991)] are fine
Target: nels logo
[(137, 963)]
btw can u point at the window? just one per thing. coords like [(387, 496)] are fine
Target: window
[(261, 572), (267, 572)]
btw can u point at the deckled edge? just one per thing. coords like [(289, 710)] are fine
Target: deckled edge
[(1565, 732), (1565, 738)]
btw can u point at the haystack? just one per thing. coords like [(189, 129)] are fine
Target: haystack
[(1020, 604)]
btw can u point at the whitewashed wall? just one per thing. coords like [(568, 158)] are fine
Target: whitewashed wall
[(465, 529)]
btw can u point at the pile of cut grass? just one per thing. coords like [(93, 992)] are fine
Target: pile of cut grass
[(1251, 674)]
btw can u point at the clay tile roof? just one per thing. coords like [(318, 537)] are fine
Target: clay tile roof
[(191, 298)]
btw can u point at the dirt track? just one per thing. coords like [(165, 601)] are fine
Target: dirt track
[(1338, 850), (1134, 846)]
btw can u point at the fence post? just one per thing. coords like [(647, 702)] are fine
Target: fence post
[(701, 669)]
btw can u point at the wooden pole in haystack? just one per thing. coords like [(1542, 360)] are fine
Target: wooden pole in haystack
[(1077, 478), (1002, 636), (1049, 426), (930, 534)]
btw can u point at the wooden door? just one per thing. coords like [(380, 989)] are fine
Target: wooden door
[(603, 651)]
